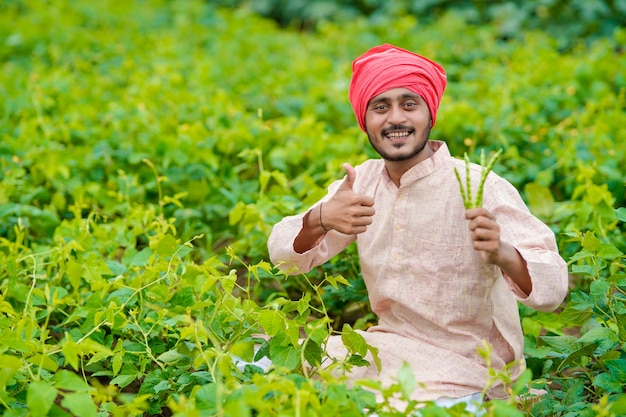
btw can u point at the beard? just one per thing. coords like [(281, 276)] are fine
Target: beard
[(417, 148)]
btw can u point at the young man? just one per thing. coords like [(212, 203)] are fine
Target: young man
[(440, 278)]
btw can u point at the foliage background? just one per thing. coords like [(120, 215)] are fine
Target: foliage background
[(148, 147)]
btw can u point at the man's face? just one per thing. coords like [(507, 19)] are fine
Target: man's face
[(398, 124)]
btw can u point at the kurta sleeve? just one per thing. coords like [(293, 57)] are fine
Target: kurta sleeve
[(283, 235), (534, 241)]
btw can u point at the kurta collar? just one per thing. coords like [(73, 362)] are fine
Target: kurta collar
[(428, 166)]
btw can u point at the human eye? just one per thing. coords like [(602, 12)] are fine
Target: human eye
[(380, 107), (410, 104)]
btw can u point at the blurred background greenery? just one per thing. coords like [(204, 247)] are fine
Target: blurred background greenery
[(138, 125)]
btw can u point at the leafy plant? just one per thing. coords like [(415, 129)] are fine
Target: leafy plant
[(584, 366), (142, 168)]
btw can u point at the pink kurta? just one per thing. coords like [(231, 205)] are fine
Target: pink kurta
[(435, 298)]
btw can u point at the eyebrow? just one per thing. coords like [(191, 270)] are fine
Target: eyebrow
[(401, 96)]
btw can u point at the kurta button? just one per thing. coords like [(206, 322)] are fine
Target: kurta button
[(398, 226)]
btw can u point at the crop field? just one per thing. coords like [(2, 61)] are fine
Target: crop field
[(148, 147)]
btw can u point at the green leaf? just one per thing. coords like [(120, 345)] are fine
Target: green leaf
[(313, 353), (407, 381), (183, 297), (243, 349), (280, 178), (603, 336), (353, 340), (228, 282), (69, 381), (591, 242), (161, 386), (357, 360), (264, 178), (619, 405), (617, 368), (581, 255), (608, 383), (563, 344), (303, 303), (45, 361), (167, 246), (585, 351), (9, 365), (80, 404), (286, 356), (317, 330), (170, 357), (99, 351), (116, 268), (272, 321), (522, 382), (142, 258), (621, 326), (502, 408), (263, 351), (540, 200), (574, 316), (118, 359), (617, 278), (40, 397), (234, 406), (236, 214), (599, 288), (608, 251), (74, 273), (621, 214), (575, 392), (206, 398), (580, 301), (586, 270), (123, 380), (333, 280), (151, 380)]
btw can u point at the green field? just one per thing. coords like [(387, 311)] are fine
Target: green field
[(147, 148)]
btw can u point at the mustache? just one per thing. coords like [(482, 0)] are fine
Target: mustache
[(395, 128)]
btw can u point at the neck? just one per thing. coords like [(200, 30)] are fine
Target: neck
[(396, 169)]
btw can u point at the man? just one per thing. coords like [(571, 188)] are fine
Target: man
[(441, 279)]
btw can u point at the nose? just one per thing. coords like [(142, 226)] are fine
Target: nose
[(396, 115)]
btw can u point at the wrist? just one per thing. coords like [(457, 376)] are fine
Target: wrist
[(321, 221)]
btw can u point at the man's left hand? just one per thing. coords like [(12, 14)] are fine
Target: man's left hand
[(485, 233)]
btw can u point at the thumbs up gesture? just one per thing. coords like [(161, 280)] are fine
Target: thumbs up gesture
[(346, 211)]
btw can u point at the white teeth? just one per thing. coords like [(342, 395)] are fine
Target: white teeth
[(397, 134)]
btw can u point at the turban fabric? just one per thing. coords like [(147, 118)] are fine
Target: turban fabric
[(385, 67)]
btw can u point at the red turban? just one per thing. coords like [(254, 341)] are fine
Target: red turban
[(385, 67)]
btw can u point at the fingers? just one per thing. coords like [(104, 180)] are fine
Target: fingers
[(348, 212), (481, 218), (357, 224), (348, 183), (478, 212), (485, 233)]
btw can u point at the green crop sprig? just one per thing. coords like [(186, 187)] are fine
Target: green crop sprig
[(466, 191)]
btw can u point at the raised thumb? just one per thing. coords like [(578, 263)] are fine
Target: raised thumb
[(348, 183)]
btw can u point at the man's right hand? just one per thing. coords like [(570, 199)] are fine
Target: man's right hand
[(346, 211)]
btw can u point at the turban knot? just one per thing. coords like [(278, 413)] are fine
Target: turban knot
[(385, 67)]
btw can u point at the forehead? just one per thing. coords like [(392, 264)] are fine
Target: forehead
[(399, 93)]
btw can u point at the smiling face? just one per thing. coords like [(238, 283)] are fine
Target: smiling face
[(398, 126)]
